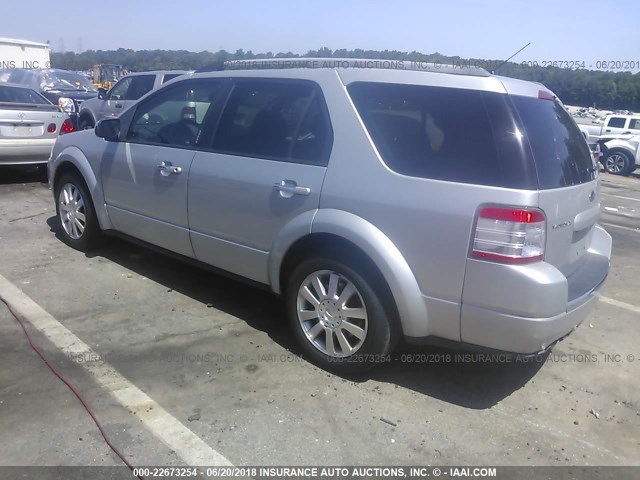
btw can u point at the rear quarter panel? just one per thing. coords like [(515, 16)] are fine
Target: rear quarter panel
[(428, 221)]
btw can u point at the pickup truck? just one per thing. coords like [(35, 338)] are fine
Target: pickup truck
[(122, 95), (620, 153), (613, 125)]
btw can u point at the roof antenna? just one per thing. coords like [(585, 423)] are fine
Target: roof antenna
[(496, 69)]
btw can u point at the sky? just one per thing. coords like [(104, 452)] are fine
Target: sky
[(587, 31)]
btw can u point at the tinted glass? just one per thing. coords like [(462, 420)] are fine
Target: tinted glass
[(170, 76), (119, 90), (21, 95), (634, 124), (313, 138), (444, 133), (616, 122), (174, 116), (140, 85), (261, 119), (561, 154)]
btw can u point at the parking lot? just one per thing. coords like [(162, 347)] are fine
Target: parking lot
[(204, 369)]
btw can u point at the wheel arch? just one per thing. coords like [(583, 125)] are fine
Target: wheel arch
[(340, 233), (72, 160), (620, 148), (86, 113)]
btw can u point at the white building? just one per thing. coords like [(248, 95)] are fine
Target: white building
[(24, 54)]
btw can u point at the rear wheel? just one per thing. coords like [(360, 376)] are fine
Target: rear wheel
[(74, 207), (42, 173), (85, 123), (338, 317), (618, 162)]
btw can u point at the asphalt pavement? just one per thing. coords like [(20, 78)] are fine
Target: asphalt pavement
[(216, 358)]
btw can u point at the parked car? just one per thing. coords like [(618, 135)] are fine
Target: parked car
[(63, 88), (29, 126), (613, 124), (124, 93), (620, 153), (445, 204)]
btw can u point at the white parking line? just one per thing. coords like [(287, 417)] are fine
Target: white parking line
[(168, 429), (619, 304), (634, 230), (620, 196)]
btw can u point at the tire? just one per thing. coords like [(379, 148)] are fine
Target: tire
[(618, 162), (43, 173), (319, 321), (86, 123), (74, 208)]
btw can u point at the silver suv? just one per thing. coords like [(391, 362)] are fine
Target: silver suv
[(122, 95), (381, 204)]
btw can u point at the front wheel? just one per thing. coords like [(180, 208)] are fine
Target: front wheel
[(338, 317), (85, 123), (76, 214), (618, 162)]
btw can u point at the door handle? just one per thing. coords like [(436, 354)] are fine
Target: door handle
[(118, 105), (167, 169), (289, 188)]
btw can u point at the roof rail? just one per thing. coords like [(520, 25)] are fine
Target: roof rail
[(361, 63)]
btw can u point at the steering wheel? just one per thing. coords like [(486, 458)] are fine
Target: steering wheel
[(184, 133)]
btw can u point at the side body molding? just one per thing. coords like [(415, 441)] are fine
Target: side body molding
[(77, 158)]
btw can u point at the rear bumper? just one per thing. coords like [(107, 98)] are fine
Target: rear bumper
[(538, 305), (25, 152), (525, 335)]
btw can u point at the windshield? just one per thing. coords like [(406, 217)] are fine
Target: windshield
[(111, 73), (65, 81)]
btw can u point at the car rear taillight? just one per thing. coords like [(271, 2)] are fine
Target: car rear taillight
[(509, 235), (51, 128), (189, 113), (67, 127)]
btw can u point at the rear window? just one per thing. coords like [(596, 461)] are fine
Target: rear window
[(21, 95), (469, 136), (449, 134), (561, 154)]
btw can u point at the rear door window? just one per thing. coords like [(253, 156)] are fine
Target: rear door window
[(561, 154), (634, 124), (449, 134), (276, 120)]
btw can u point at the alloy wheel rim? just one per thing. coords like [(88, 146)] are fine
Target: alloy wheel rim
[(72, 211), (615, 163), (332, 313)]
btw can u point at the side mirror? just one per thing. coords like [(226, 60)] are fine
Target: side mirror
[(102, 93), (109, 129)]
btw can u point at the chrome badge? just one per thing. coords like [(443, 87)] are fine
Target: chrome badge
[(561, 225)]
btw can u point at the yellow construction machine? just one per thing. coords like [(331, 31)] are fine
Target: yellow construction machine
[(105, 75)]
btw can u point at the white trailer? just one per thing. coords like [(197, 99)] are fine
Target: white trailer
[(23, 54)]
